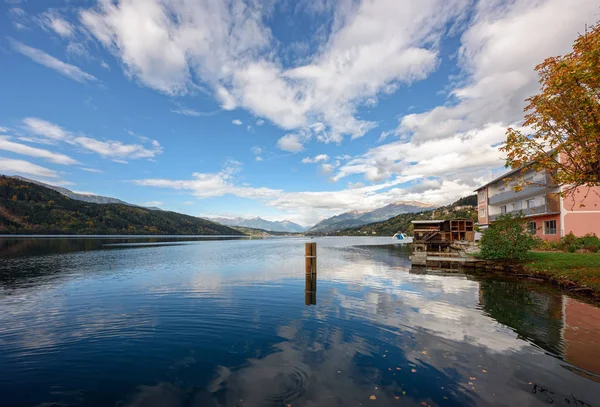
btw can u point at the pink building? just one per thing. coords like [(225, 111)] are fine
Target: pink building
[(549, 215)]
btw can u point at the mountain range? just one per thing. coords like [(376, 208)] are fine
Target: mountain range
[(359, 218), (259, 223)]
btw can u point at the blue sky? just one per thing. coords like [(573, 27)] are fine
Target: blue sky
[(282, 109)]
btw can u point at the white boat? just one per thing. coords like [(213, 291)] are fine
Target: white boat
[(402, 237)]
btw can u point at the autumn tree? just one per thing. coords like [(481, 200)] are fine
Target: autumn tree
[(563, 120)]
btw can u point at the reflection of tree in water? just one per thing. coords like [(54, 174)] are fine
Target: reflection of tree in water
[(534, 315)]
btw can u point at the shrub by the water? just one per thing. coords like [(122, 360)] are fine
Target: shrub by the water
[(506, 239), (571, 243)]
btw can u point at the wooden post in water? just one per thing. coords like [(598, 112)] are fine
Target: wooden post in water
[(311, 273)]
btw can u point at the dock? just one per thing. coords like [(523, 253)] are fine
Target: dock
[(442, 243)]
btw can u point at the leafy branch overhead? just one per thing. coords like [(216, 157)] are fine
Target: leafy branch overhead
[(562, 123)]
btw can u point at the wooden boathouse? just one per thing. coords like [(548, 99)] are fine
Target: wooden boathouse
[(435, 241)]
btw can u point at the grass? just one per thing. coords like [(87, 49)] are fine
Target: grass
[(567, 269)]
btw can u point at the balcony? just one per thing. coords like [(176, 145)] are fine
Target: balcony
[(551, 207), (511, 196), (528, 191)]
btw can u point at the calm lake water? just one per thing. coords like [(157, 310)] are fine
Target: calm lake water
[(193, 322)]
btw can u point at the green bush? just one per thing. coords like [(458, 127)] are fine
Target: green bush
[(506, 239), (571, 243)]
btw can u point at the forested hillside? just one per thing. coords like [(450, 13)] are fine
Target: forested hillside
[(27, 208)]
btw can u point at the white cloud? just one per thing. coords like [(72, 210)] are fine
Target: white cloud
[(260, 122), (291, 143), (256, 150), (498, 53), (153, 203), (115, 150), (308, 207), (44, 128), (95, 170), (7, 145), (21, 167), (194, 113), (466, 152), (53, 21), (258, 158), (112, 148), (237, 122), (316, 159), (4, 130), (39, 56), (327, 168), (104, 65), (373, 48), (188, 203)]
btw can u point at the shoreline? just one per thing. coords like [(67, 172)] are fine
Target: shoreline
[(542, 267)]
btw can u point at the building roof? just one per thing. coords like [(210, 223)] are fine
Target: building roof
[(424, 222), (511, 172)]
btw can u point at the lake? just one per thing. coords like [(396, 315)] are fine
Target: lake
[(167, 321)]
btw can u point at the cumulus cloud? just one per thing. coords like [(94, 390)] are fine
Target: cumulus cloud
[(373, 48), (316, 159), (257, 151), (291, 143), (471, 151), (115, 150), (21, 167), (57, 158), (327, 168), (498, 53), (42, 58), (499, 49), (237, 122)]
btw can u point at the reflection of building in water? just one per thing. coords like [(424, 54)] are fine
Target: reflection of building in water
[(581, 335), (559, 324)]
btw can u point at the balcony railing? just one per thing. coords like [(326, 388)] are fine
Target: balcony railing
[(552, 207), (506, 194)]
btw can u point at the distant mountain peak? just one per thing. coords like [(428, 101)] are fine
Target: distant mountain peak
[(260, 223), (356, 218), (414, 203)]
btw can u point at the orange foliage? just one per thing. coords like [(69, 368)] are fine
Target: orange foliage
[(563, 119)]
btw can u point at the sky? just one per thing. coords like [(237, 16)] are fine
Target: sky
[(289, 109)]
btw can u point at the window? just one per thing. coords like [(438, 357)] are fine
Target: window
[(503, 209), (482, 213), (532, 228), (530, 203), (482, 196), (550, 227)]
